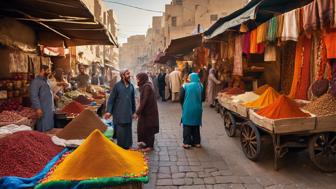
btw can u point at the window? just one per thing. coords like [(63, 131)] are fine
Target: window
[(213, 17), (174, 21)]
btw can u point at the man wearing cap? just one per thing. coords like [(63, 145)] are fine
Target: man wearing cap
[(121, 105)]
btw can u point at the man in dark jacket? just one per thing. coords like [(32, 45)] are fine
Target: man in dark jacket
[(121, 105), (162, 85)]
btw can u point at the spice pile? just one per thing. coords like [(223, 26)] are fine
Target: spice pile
[(282, 107), (261, 90), (320, 87), (10, 105), (83, 164), (267, 98), (8, 117), (63, 101), (73, 94), (28, 113), (246, 97), (73, 108), (83, 100), (323, 106), (82, 126), (25, 153), (234, 91)]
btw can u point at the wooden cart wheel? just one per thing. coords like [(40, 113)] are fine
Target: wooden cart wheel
[(250, 141), (322, 151), (229, 124)]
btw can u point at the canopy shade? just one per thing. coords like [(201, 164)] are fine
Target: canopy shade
[(71, 20), (184, 45), (163, 58), (258, 11)]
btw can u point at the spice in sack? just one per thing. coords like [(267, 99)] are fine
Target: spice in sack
[(73, 108)]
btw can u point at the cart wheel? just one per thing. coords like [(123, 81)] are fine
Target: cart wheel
[(322, 151), (229, 124), (250, 141)]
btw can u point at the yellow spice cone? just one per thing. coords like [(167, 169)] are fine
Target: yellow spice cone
[(98, 157), (267, 98)]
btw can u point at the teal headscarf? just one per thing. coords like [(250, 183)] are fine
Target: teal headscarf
[(192, 106)]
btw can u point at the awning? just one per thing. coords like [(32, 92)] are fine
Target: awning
[(163, 58), (257, 10), (69, 20), (184, 45)]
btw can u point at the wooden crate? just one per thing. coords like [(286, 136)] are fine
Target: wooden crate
[(326, 123), (283, 126), (236, 107)]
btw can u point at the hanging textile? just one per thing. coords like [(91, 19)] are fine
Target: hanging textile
[(287, 59), (246, 44), (297, 66), (253, 42), (326, 11), (310, 17), (272, 29), (304, 75), (261, 32), (280, 22), (231, 46), (330, 43), (290, 29), (270, 53), (238, 59)]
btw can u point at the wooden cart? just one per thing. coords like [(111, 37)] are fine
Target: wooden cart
[(234, 115), (317, 134)]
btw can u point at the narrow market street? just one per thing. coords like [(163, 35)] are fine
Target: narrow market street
[(221, 162)]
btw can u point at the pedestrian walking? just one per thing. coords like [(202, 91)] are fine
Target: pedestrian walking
[(121, 105), (167, 88), (147, 114), (42, 100), (175, 81), (191, 98), (162, 84), (211, 88)]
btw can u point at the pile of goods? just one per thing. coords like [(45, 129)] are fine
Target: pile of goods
[(323, 106), (63, 101), (233, 91), (73, 108), (283, 107), (261, 90), (25, 153), (83, 169), (12, 128), (28, 113), (246, 97), (267, 98), (73, 94), (82, 126), (11, 105), (10, 117), (83, 100)]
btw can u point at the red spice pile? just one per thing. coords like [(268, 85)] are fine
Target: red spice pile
[(73, 108), (234, 91), (282, 107), (25, 153), (83, 100)]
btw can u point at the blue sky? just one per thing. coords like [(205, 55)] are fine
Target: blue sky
[(133, 21)]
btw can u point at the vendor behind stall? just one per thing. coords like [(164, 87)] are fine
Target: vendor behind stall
[(42, 100), (58, 83), (82, 79)]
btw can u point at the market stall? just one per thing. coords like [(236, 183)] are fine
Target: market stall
[(296, 53)]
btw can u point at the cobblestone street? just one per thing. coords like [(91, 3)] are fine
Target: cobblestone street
[(221, 163)]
